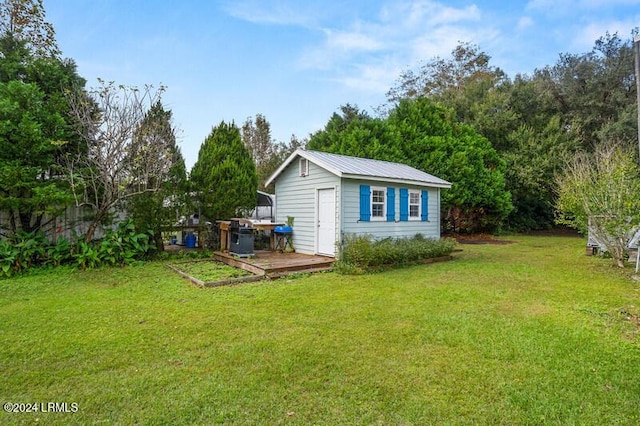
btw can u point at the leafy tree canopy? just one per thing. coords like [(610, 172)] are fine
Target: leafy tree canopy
[(428, 137), (602, 189), (594, 92), (25, 20)]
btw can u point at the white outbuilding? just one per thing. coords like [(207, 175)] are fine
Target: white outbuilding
[(329, 196)]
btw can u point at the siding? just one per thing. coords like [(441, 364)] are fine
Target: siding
[(296, 197), (350, 213)]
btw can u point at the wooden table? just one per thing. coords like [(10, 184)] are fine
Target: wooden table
[(225, 235)]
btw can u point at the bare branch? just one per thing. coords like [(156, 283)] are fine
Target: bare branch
[(121, 157)]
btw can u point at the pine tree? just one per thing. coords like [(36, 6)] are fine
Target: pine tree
[(158, 209), (224, 176)]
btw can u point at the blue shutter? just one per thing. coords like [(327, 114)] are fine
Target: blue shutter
[(425, 206), (365, 203), (404, 204), (391, 204)]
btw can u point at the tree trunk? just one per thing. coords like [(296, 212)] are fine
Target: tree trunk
[(25, 221), (92, 230), (12, 223), (97, 219), (157, 237)]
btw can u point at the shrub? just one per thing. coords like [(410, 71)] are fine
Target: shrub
[(22, 251), (122, 246), (8, 255), (359, 253), (59, 253)]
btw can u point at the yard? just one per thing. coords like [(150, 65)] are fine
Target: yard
[(527, 333)]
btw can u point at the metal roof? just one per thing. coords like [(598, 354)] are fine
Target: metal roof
[(364, 168)]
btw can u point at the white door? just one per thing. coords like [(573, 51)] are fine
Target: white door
[(327, 222)]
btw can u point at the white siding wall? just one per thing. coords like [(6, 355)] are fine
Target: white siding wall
[(297, 197), (351, 223)]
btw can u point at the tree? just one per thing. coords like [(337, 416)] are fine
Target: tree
[(533, 159), (155, 210), (28, 143), (267, 154), (25, 20), (35, 126), (353, 132), (434, 141), (224, 176), (594, 92), (116, 161), (516, 117), (602, 191), (35, 133), (447, 77), (428, 137), (256, 136)]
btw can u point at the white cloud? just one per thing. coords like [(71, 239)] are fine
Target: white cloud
[(369, 55), (352, 41), (524, 23), (585, 36), (273, 13), (573, 7), (595, 4)]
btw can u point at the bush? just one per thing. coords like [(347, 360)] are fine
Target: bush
[(359, 253), (25, 251), (124, 245)]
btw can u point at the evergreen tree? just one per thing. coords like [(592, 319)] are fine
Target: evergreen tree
[(36, 129), (224, 176), (28, 144), (517, 117), (161, 208)]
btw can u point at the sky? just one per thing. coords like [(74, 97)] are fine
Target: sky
[(297, 61)]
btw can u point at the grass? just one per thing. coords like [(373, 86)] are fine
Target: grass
[(210, 271), (529, 333)]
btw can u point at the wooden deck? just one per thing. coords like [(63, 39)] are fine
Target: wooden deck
[(274, 264)]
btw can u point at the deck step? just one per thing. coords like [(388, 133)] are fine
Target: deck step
[(273, 264)]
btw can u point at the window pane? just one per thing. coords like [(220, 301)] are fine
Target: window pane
[(378, 196), (414, 198), (377, 210), (414, 211)]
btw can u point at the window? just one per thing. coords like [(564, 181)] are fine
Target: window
[(414, 205), (304, 167), (378, 204)]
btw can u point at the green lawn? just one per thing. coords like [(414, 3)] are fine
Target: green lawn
[(210, 271), (529, 333)]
